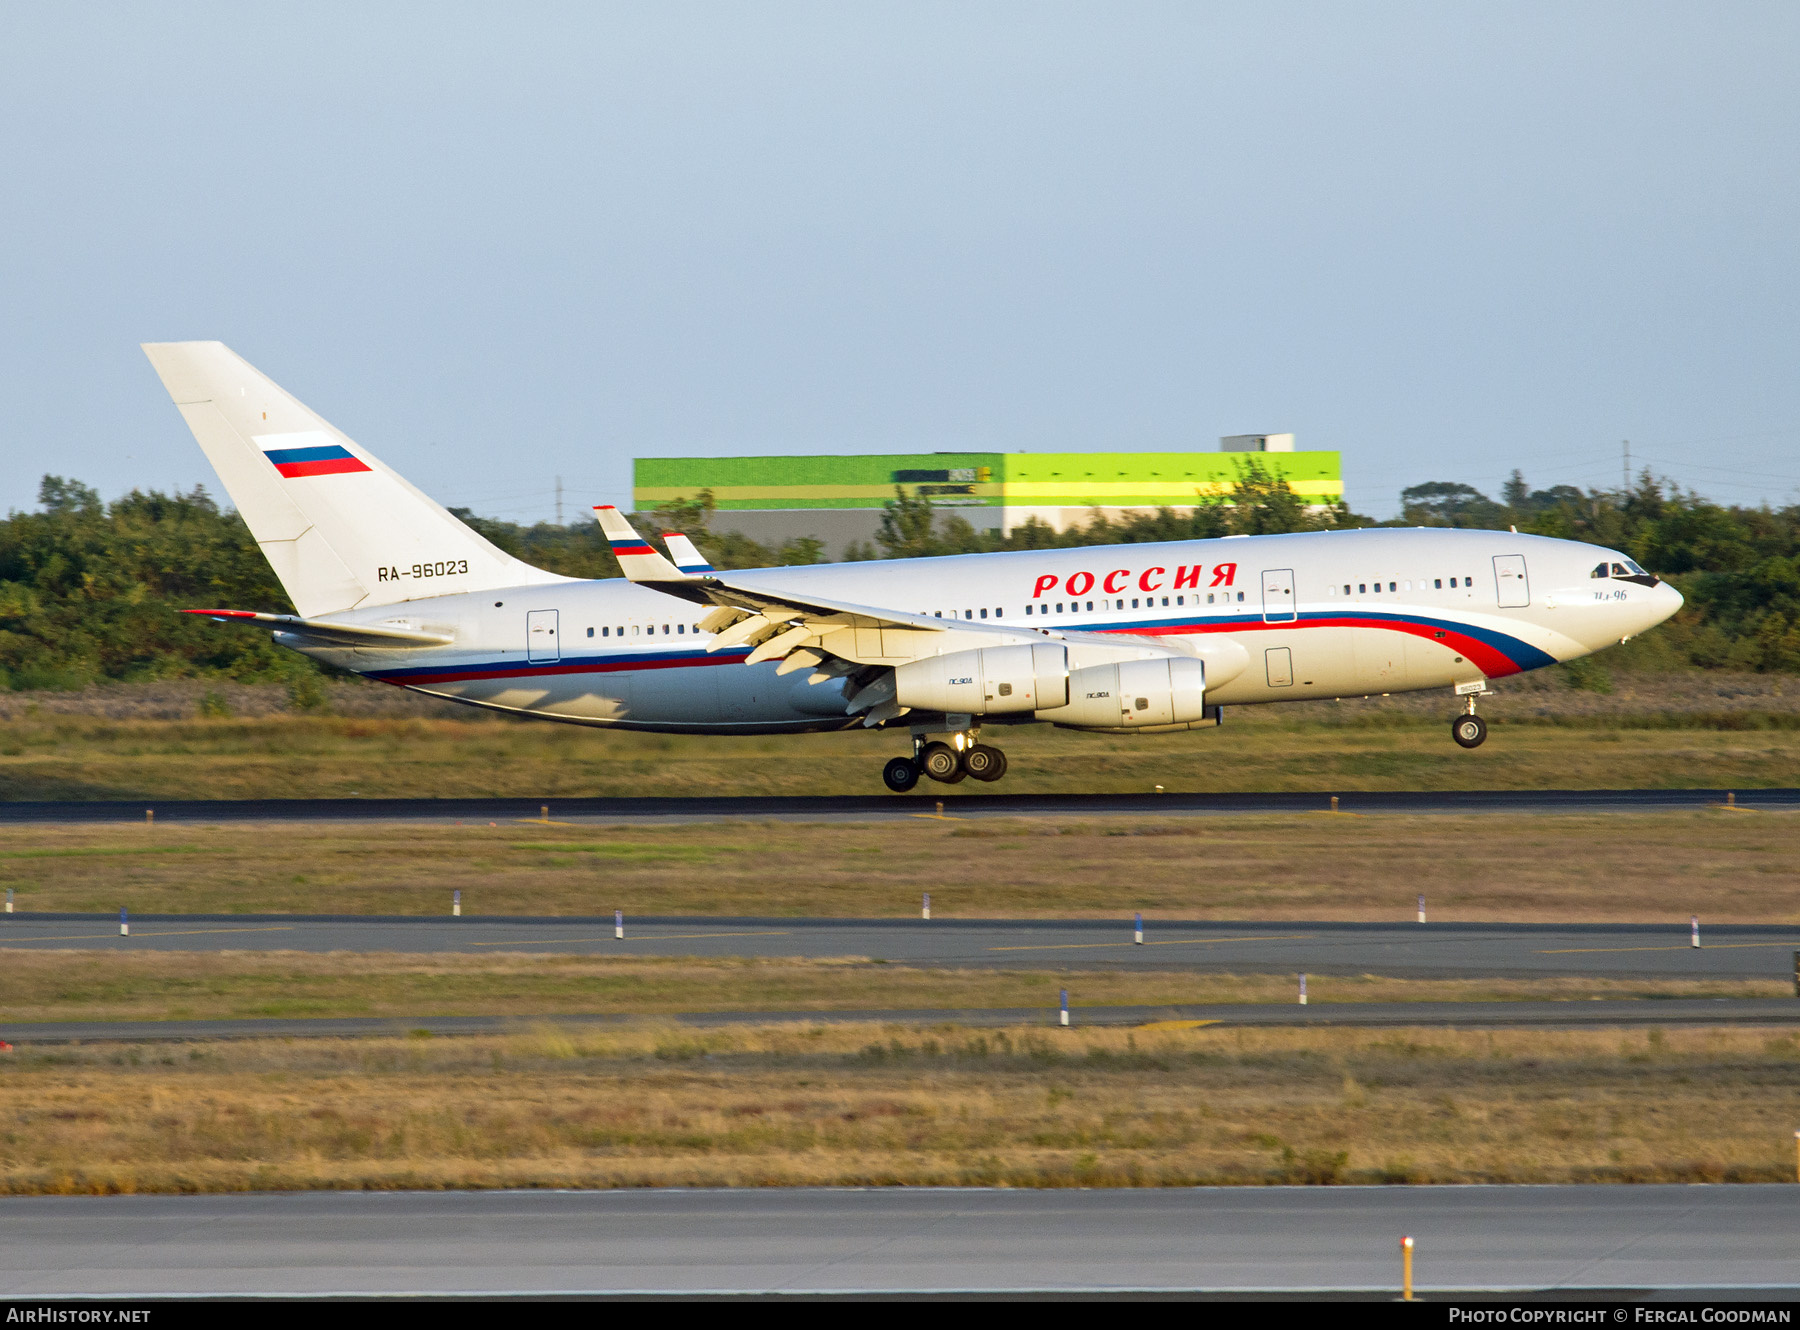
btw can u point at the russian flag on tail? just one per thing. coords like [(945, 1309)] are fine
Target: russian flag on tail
[(330, 459)]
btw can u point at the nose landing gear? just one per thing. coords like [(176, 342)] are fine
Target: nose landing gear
[(1468, 729)]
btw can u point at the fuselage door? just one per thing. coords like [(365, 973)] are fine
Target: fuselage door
[(1509, 581), (1278, 595), (541, 646)]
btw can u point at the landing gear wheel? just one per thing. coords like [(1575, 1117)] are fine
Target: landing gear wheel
[(942, 763), (900, 775), (1469, 731), (985, 763)]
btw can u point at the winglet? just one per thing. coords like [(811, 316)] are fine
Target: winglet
[(686, 557), (638, 560)]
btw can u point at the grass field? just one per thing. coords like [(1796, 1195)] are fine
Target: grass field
[(1319, 747), (93, 986), (882, 1105), (1724, 866)]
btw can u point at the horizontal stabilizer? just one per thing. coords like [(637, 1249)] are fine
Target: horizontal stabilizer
[(322, 632)]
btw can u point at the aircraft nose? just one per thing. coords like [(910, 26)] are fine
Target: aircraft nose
[(1665, 600)]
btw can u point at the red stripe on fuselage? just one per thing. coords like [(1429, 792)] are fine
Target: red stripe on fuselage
[(1491, 661)]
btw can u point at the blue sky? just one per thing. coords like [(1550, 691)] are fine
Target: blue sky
[(501, 244)]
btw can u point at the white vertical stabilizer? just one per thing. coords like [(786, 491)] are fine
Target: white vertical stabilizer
[(341, 530)]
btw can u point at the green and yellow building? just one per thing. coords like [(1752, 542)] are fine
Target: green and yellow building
[(839, 499)]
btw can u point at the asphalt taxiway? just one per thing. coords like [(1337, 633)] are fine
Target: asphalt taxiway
[(1621, 1243), (1409, 950), (880, 807)]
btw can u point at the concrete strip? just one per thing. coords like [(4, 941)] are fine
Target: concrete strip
[(1622, 1241)]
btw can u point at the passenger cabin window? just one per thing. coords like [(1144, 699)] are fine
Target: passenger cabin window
[(1439, 584), (590, 632)]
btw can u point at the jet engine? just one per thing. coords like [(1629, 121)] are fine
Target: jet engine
[(1134, 694), (988, 681)]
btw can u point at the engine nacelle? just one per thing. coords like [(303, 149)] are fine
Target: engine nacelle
[(1134, 694), (988, 681)]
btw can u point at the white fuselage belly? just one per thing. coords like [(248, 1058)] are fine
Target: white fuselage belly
[(1426, 608)]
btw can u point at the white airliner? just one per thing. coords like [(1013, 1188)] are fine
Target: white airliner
[(1112, 639)]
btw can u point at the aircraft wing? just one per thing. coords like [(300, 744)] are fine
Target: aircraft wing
[(323, 632), (835, 637)]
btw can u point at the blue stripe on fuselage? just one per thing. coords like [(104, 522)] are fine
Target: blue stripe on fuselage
[(1520, 653)]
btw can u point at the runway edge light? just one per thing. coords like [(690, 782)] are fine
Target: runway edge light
[(1406, 1254)]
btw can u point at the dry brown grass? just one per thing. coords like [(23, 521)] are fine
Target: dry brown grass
[(883, 1105), (92, 985), (1401, 744), (1728, 867)]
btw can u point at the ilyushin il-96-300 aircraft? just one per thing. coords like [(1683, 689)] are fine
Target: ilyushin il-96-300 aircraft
[(1110, 639)]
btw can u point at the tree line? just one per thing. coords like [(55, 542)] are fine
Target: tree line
[(92, 590)]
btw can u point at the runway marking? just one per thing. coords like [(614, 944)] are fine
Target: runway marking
[(938, 817), (1176, 1025), (1711, 946), (185, 932), (1170, 942), (636, 937)]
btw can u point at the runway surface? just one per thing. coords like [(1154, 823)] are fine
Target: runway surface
[(877, 807), (1407, 950), (1622, 1241), (1783, 1012)]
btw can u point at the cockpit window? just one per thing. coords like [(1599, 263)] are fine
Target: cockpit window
[(1636, 568), (1620, 570), (1599, 570)]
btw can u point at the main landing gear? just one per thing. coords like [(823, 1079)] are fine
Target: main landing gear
[(1468, 729), (945, 762)]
